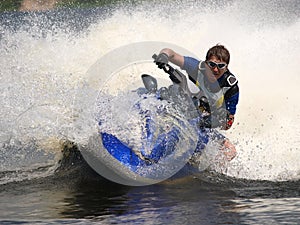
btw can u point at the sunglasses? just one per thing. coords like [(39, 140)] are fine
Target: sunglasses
[(219, 65)]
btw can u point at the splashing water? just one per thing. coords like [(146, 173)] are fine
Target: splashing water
[(42, 65)]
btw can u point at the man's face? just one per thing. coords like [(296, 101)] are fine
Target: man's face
[(217, 67)]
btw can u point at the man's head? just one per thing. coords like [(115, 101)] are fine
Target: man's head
[(217, 59), (220, 52)]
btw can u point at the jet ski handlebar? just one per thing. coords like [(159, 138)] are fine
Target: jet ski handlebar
[(175, 75)]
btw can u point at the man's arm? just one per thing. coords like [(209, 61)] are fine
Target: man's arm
[(174, 57), (231, 107)]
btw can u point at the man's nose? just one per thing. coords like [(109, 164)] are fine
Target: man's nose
[(215, 69)]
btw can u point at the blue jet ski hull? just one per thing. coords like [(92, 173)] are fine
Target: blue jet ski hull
[(164, 146)]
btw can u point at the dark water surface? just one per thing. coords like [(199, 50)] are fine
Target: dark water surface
[(75, 199), (77, 195)]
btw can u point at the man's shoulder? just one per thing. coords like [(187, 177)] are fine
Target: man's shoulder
[(229, 80), (230, 84), (190, 63)]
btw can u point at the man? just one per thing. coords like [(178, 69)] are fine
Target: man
[(216, 83)]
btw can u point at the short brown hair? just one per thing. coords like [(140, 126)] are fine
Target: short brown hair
[(220, 52)]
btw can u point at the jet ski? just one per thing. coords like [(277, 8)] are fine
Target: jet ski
[(163, 144), (163, 131)]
